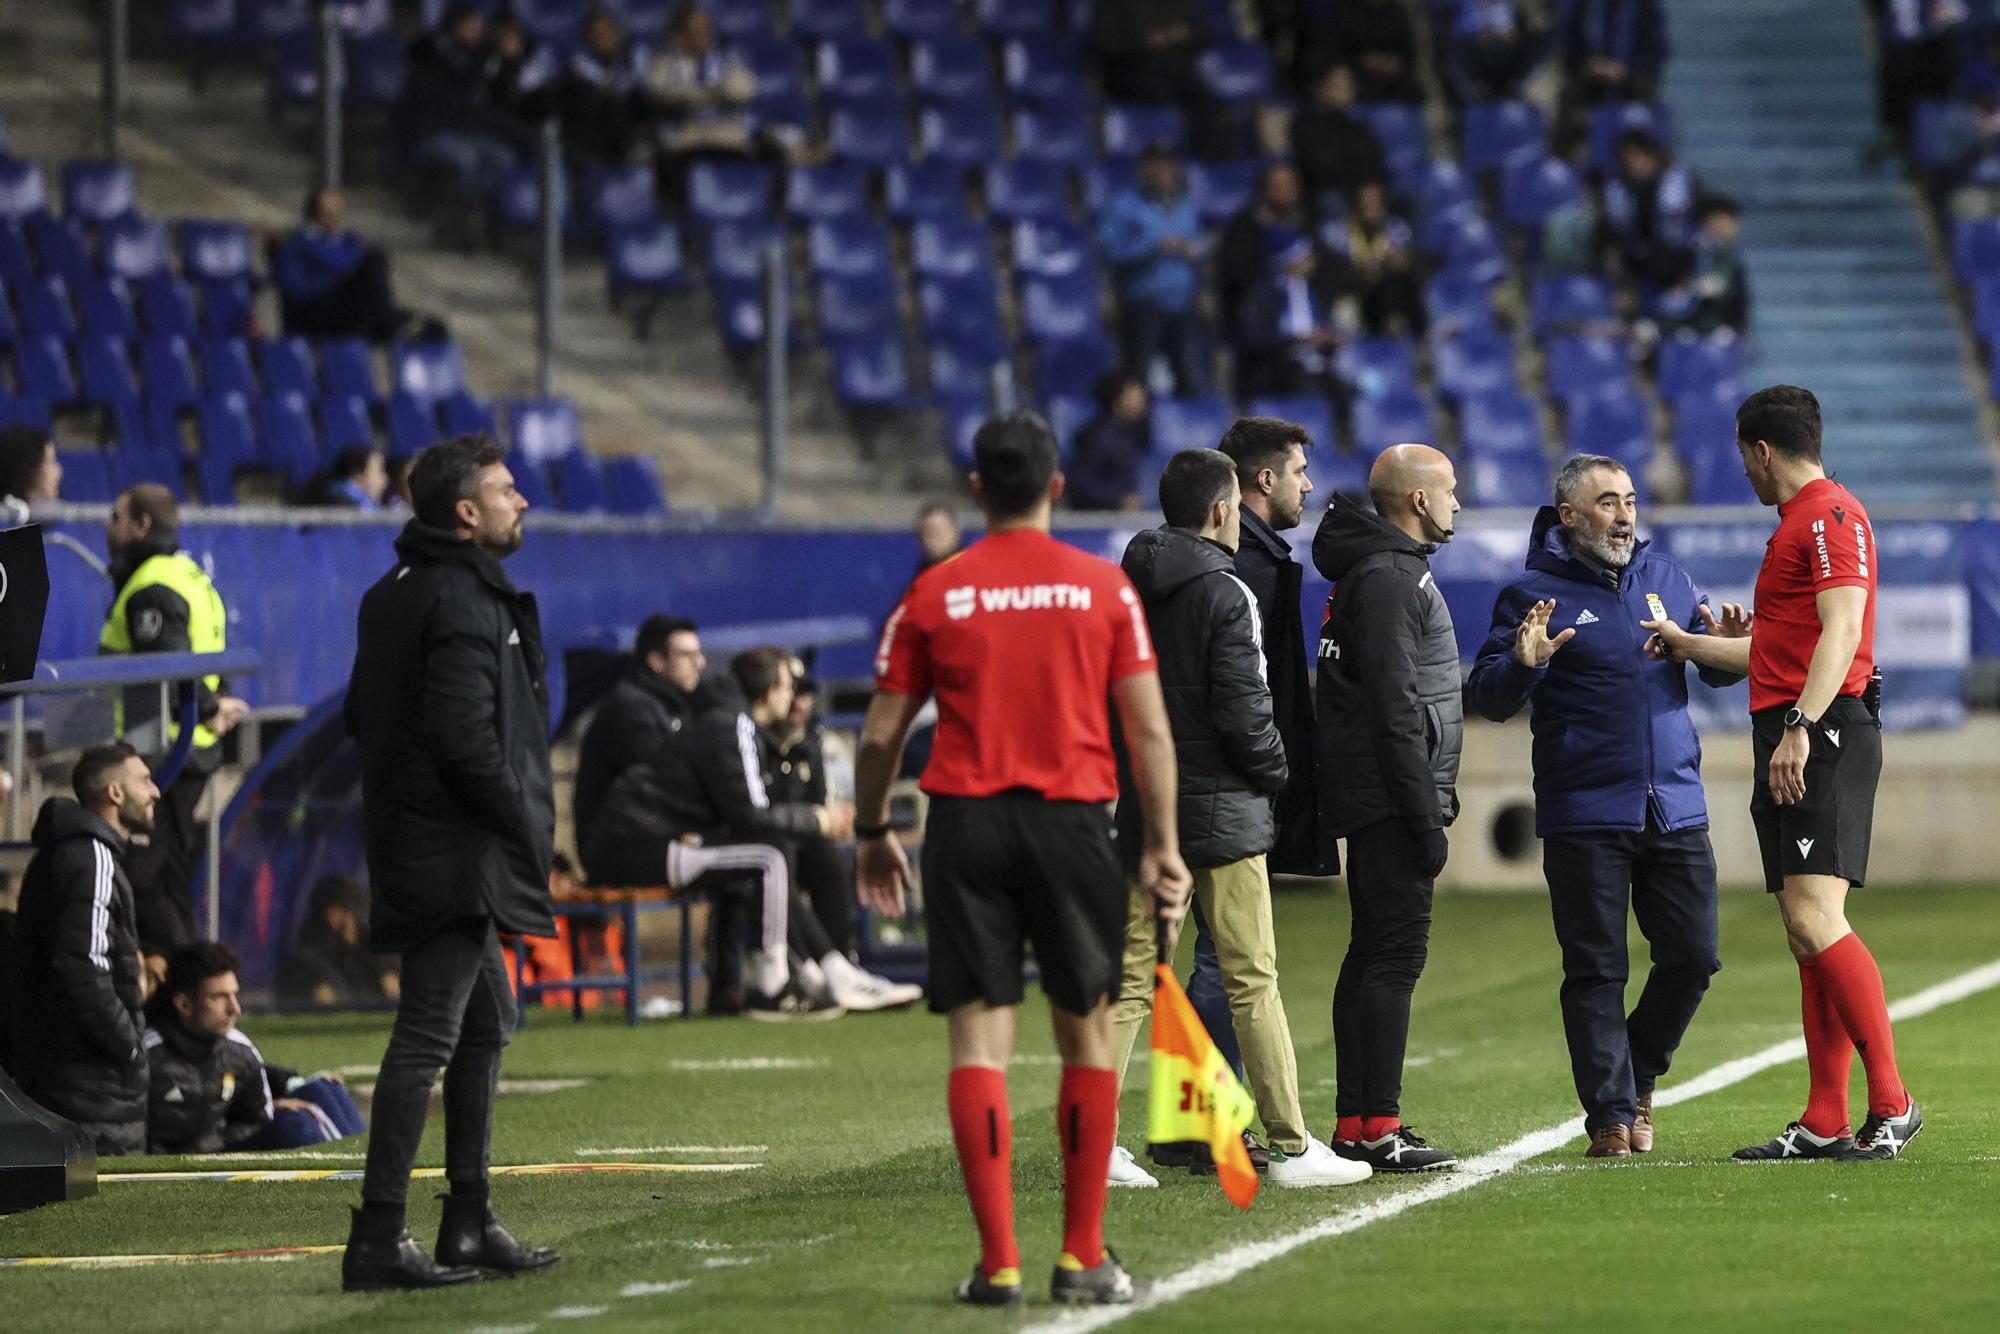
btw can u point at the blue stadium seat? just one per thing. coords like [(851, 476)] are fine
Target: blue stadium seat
[(1505, 481), (347, 369), (1579, 367), (1466, 243), (543, 429), (1697, 366), (1442, 185), (964, 312), (735, 250), (1534, 190), (826, 191), (851, 248), (1310, 411), (1474, 363), (132, 247), (24, 410), (375, 67), (291, 71), (553, 20), (429, 370), (1379, 365), (1499, 133), (344, 424), (228, 431), (1611, 119), (410, 424), (161, 467), (106, 366), (963, 416), (1500, 423), (950, 248), (17, 264), (828, 20), (1975, 246), (745, 18), (216, 251), (729, 191), (1221, 189), (872, 373), (960, 374), (291, 441), (1404, 137), (1236, 71), (287, 365), (1066, 416), (1027, 189), (1043, 70), (632, 487), (45, 308), (739, 312), (646, 20), (921, 20), (462, 414), (876, 135), (774, 63), (915, 190), (1059, 135), (366, 18), (9, 331), (24, 191), (859, 69), (1393, 419), (579, 484), (644, 257), (1051, 248), (1131, 130), (532, 481), (106, 307), (60, 245), (851, 308), (1061, 308), (965, 133), (205, 22), (1613, 421), (951, 69), (98, 191), (166, 371), (1189, 423), (166, 307), (87, 477), (1565, 303), (1456, 302), (1016, 18), (1069, 367), (1705, 439), (1105, 180), (516, 202), (225, 368), (618, 197)]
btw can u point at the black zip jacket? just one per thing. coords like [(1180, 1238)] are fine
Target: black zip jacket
[(74, 977), (1208, 636), (1390, 713), (450, 708), (208, 1094), (638, 719)]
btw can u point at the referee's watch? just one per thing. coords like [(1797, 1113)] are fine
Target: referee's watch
[(1794, 718), (865, 832)]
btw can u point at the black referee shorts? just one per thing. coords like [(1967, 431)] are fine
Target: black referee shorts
[(1007, 870), (1827, 833)]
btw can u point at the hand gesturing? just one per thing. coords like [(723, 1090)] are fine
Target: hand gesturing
[(1532, 644)]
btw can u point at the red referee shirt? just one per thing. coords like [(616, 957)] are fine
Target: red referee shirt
[(1021, 637), (1824, 540)]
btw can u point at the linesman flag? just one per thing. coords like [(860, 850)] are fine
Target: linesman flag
[(1195, 1095)]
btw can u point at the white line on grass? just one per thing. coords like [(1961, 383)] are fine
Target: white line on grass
[(1239, 1260), (749, 1063), (672, 1148), (654, 1289)]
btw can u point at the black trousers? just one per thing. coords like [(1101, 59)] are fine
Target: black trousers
[(1668, 882), (163, 870), (1390, 898), (457, 1011)]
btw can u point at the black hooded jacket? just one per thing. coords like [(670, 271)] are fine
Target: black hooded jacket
[(74, 977), (451, 710), (1390, 712), (208, 1094), (638, 719), (1208, 636)]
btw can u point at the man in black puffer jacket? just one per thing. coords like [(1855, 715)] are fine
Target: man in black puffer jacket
[(1389, 723), (74, 981), (656, 699), (1231, 762)]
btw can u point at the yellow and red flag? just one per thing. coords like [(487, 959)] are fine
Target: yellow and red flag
[(1195, 1095)]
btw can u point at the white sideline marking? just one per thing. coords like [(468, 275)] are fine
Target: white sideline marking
[(749, 1063), (577, 1312), (285, 1155), (503, 1329), (654, 1289), (671, 1148), (727, 1262), (1239, 1260)]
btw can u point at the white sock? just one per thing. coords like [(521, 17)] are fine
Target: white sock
[(810, 976), (768, 971), (840, 970)]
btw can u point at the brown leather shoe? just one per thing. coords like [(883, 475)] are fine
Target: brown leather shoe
[(1642, 1127), (1614, 1141)]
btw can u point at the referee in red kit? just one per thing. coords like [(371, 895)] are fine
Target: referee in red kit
[(1027, 644), (1815, 713)]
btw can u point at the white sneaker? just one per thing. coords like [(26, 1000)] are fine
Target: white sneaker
[(1317, 1165), (868, 992), (1125, 1170)]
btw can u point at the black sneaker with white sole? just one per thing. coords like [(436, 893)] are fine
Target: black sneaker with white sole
[(1796, 1142), (1884, 1136), (1401, 1150), (1105, 1285), (1002, 1289), (792, 1005)]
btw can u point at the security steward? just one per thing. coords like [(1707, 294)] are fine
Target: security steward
[(1618, 796), (166, 603)]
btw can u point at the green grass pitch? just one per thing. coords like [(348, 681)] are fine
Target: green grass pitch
[(855, 1220)]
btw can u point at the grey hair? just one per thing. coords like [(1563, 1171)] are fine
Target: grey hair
[(1579, 466)]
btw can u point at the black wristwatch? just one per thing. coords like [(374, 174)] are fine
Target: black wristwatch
[(1794, 718), (864, 832)]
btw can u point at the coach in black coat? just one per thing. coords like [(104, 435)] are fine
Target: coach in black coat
[(451, 712)]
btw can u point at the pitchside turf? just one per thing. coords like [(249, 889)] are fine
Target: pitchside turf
[(855, 1219)]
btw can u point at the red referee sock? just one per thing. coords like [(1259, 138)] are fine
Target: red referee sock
[(1854, 983), (1086, 1126), (1829, 1055), (985, 1136), (1375, 1127), (1347, 1128)]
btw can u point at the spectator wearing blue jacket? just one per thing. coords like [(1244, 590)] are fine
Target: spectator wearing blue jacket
[(1618, 796), (1151, 237)]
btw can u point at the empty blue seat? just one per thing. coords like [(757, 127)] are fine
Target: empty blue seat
[(950, 248), (1500, 423), (462, 414), (1498, 133), (924, 189), (166, 306), (927, 20), (517, 199), (735, 250), (1506, 481), (1564, 303), (1443, 184), (291, 441), (1534, 190), (1379, 365), (960, 374), (1054, 134), (553, 20), (579, 484), (347, 369), (964, 312), (291, 70), (1310, 411), (1467, 243), (1975, 246), (1456, 302), (1611, 119), (951, 69), (24, 191), (1581, 366), (1043, 70), (1027, 189), (857, 70), (1220, 190), (966, 133), (729, 191), (106, 307), (876, 135), (963, 416), (1398, 418), (851, 248), (1236, 71), (774, 63), (1061, 308), (644, 257), (166, 371), (1051, 248), (619, 197), (1405, 140), (871, 373), (225, 368), (132, 247), (17, 263), (429, 370), (98, 191), (1105, 180), (1067, 416), (542, 429), (287, 364), (824, 191), (45, 308), (1016, 18), (344, 423), (856, 308), (532, 481), (632, 487), (1131, 130), (1475, 362), (1691, 366), (1189, 423), (410, 424), (828, 20), (739, 311), (216, 251), (107, 377), (87, 477), (1613, 421), (207, 22), (646, 20), (228, 431), (60, 245), (744, 18), (1070, 367), (24, 410), (1705, 439)]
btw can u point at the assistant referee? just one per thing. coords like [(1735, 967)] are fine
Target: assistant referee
[(1815, 717), (1026, 643)]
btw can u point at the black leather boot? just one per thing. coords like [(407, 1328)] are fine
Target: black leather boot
[(381, 1257), (471, 1235)]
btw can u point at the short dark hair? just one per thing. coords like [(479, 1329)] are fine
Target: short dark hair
[(150, 500), (1109, 387), (1639, 137), (193, 964), (1191, 483), (657, 629), (1257, 443), (1716, 206), (1579, 466), (447, 473), (1785, 417), (1015, 455), (757, 670), (96, 769), (22, 449), (351, 462)]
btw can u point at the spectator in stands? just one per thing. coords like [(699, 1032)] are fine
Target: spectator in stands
[(1104, 461), (332, 284), (30, 473), (210, 1088), (454, 129), (75, 984), (166, 604), (1241, 263), (1648, 206), (1967, 147), (358, 478), (798, 767), (1336, 150), (640, 717), (938, 535), (1377, 255), (1714, 296), (1613, 50), (1151, 236), (1489, 52), (397, 494), (1278, 292), (1376, 38), (607, 108), (330, 965), (705, 93), (1148, 49), (1921, 46)]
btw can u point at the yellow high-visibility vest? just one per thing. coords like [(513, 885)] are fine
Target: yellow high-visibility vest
[(207, 622)]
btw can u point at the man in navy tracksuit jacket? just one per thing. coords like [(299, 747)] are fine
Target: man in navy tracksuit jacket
[(1618, 797)]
